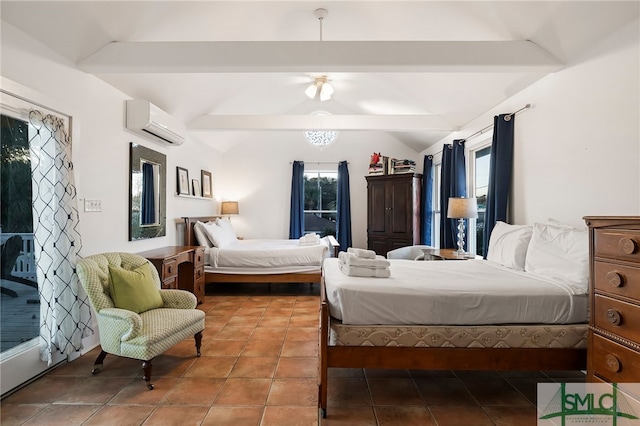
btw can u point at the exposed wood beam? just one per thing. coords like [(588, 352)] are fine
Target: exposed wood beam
[(318, 122), (312, 56)]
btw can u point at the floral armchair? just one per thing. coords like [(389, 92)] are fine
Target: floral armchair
[(143, 335)]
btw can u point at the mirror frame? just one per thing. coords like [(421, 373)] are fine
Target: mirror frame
[(138, 153)]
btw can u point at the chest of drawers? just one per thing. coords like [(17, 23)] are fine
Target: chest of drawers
[(613, 353), (180, 267)]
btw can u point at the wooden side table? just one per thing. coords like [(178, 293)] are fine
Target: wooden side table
[(180, 267)]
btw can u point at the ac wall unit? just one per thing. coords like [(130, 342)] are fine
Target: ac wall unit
[(148, 120)]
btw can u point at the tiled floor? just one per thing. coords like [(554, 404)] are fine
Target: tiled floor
[(259, 367)]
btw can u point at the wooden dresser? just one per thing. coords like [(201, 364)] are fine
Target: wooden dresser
[(613, 353), (180, 267)]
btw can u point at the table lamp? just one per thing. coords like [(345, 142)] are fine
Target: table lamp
[(461, 209), (228, 208)]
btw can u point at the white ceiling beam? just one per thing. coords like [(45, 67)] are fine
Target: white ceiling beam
[(329, 56), (320, 122)]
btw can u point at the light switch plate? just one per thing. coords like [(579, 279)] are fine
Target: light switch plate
[(92, 205)]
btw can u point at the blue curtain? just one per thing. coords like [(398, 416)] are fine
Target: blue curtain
[(453, 184), (500, 171), (343, 223), (427, 201), (148, 208), (296, 215)]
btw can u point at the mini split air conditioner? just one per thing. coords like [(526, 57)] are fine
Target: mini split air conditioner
[(148, 120)]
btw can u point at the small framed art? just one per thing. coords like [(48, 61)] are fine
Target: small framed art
[(195, 183), (207, 191), (183, 181)]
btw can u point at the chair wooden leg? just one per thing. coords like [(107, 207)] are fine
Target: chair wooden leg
[(198, 338), (146, 368), (98, 364)]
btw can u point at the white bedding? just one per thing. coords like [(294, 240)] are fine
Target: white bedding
[(259, 254), (451, 293)]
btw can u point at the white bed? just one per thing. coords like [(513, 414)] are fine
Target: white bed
[(525, 308), (471, 292), (233, 260)]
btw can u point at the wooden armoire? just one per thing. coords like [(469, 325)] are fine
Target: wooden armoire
[(393, 211)]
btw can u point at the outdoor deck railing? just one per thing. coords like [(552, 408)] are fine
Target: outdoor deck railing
[(25, 266)]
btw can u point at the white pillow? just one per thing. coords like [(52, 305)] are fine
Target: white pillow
[(508, 245), (218, 236), (560, 252), (226, 225), (201, 236)]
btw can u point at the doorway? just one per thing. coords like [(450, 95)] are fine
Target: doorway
[(19, 296)]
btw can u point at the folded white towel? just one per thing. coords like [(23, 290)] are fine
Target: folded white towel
[(365, 254), (358, 271), (309, 240), (351, 259)]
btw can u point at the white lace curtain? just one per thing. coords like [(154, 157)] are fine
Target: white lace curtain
[(65, 316)]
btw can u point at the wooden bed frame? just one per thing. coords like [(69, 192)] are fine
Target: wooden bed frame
[(211, 277), (435, 358)]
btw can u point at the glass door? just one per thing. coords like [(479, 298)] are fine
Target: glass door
[(19, 297)]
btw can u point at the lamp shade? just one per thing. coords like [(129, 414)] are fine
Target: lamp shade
[(229, 207), (462, 208)]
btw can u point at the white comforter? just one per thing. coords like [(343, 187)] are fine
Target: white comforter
[(258, 253), (469, 292)]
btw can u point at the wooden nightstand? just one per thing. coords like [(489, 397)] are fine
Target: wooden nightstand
[(180, 267)]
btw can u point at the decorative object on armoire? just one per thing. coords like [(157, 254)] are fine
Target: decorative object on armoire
[(378, 164), (462, 208), (393, 211), (613, 351), (397, 166)]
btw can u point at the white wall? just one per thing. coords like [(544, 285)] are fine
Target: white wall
[(577, 150), (101, 146), (257, 173)]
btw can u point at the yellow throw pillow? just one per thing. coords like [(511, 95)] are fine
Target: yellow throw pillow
[(134, 290)]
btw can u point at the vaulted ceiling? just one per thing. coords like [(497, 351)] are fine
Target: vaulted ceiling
[(417, 69)]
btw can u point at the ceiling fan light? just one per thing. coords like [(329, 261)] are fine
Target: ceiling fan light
[(311, 91), (326, 90)]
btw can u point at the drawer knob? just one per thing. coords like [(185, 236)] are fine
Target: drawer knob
[(627, 246), (614, 317), (615, 278), (613, 364)]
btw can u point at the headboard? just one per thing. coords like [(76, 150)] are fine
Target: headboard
[(189, 223)]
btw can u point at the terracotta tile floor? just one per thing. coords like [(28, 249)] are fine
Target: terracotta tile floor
[(259, 367)]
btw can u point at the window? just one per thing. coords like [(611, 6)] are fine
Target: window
[(479, 185), (320, 202)]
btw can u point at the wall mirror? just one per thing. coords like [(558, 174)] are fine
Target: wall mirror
[(147, 189)]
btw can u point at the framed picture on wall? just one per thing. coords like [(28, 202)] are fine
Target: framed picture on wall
[(183, 181), (206, 184), (195, 183)]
